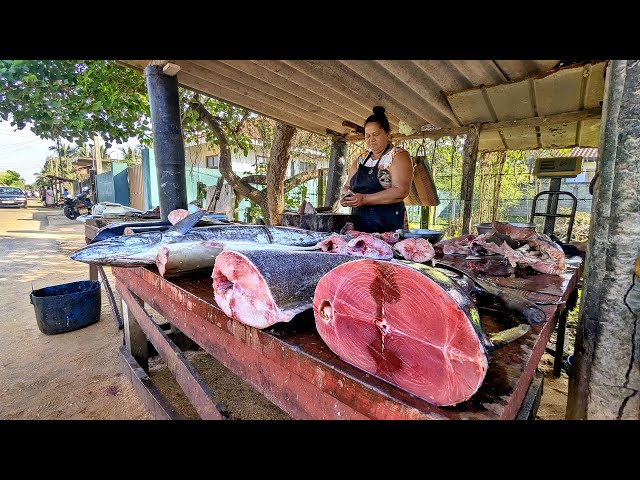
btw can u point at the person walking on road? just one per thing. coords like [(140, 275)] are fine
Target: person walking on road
[(48, 197)]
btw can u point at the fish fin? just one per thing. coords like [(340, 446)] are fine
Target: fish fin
[(503, 337), (186, 224)]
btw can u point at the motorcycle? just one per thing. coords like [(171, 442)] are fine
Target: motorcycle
[(73, 206)]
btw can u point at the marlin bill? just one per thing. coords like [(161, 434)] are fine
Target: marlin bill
[(142, 248)]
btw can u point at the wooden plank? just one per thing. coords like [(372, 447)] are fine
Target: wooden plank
[(532, 399), (156, 404), (203, 399), (548, 120)]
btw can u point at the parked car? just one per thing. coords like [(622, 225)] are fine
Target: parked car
[(12, 197)]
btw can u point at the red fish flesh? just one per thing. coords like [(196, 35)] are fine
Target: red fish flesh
[(415, 249), (406, 323), (461, 244), (367, 245), (334, 244)]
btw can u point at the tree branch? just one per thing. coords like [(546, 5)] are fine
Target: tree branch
[(257, 179), (226, 170), (302, 177)]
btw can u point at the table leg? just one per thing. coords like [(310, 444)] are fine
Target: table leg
[(93, 272), (112, 300), (562, 326), (134, 338)]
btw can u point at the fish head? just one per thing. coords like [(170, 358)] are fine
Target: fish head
[(125, 250)]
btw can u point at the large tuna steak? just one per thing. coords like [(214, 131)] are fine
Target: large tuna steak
[(405, 323), (260, 288)]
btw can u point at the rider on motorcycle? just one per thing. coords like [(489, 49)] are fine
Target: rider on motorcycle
[(72, 205)]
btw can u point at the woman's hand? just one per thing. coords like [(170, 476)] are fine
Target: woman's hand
[(353, 200)]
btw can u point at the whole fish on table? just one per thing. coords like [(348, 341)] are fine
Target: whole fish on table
[(515, 304), (142, 248), (179, 258)]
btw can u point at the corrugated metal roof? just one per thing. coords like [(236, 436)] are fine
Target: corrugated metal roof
[(432, 96)]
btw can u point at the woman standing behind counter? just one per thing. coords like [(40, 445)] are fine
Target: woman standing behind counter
[(379, 182)]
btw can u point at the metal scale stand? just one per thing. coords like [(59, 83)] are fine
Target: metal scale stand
[(557, 168)]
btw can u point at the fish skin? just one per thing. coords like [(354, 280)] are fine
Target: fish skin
[(142, 248), (516, 304), (287, 281), (117, 229)]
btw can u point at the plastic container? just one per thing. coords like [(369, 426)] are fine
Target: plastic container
[(568, 364), (433, 236), (67, 307)]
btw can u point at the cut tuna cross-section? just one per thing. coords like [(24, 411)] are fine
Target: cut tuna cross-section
[(405, 323)]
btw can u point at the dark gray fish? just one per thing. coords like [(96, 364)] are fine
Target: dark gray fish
[(516, 304), (117, 229)]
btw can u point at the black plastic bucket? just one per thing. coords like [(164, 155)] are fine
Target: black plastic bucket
[(67, 307)]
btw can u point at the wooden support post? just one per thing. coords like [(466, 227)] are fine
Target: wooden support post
[(320, 188), (424, 216), (337, 172), (469, 159), (605, 373), (93, 272)]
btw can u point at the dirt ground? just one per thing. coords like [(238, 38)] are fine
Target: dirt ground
[(78, 374)]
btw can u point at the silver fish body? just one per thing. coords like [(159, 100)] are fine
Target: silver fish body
[(141, 248)]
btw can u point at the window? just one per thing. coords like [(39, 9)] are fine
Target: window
[(213, 161)]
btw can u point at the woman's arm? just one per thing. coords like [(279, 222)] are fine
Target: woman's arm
[(345, 187), (401, 170)]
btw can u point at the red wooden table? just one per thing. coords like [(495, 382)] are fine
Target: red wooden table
[(292, 367)]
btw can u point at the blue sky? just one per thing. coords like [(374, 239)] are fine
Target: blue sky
[(25, 152)]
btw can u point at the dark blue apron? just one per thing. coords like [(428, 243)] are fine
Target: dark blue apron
[(374, 218)]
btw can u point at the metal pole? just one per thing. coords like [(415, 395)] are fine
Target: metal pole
[(552, 205), (168, 144)]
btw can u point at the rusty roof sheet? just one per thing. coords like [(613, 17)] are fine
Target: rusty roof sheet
[(584, 152), (434, 97)]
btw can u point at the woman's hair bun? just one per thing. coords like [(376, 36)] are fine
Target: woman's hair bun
[(378, 110)]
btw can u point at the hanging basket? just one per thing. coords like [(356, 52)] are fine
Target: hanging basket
[(423, 187)]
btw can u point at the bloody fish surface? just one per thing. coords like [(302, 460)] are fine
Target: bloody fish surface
[(405, 323), (366, 245), (415, 249)]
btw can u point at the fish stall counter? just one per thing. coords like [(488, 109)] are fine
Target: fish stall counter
[(292, 367)]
